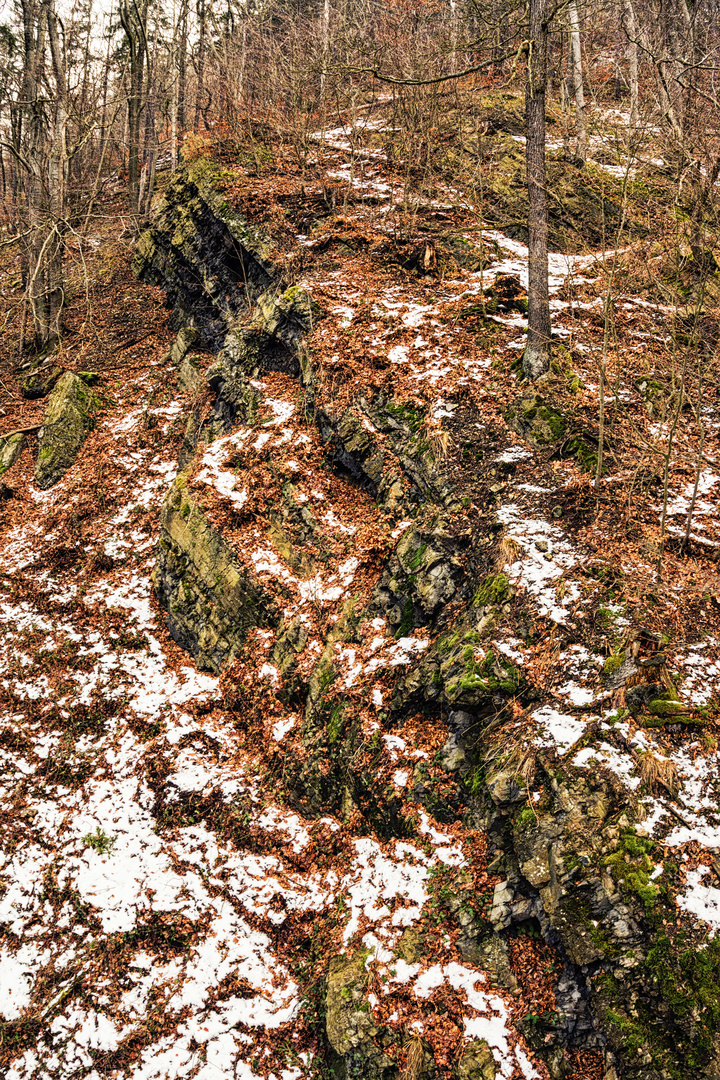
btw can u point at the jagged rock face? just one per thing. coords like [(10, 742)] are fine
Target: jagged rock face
[(69, 417), (570, 860), (210, 599), (212, 263)]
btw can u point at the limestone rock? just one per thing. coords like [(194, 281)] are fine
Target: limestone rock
[(11, 447), (41, 381), (211, 600), (536, 421), (477, 1062), (187, 338), (69, 417), (500, 913), (189, 378), (349, 1022)]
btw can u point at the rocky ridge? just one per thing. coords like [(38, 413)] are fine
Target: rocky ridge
[(400, 619)]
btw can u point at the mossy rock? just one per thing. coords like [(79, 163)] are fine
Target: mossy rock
[(410, 947), (40, 382), (477, 1062), (211, 599), (11, 447), (536, 421), (349, 1022), (580, 448), (69, 417), (493, 590)]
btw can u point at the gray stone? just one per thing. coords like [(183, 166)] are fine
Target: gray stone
[(452, 755), (11, 447), (69, 417), (501, 911), (503, 788), (187, 338)]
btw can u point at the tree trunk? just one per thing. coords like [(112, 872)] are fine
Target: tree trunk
[(536, 359), (630, 28), (200, 63), (133, 17), (182, 68), (577, 77)]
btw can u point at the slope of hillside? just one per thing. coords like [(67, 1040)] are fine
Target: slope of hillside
[(347, 726)]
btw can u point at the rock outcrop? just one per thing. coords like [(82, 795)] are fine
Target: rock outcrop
[(210, 260), (11, 447), (69, 417), (210, 599), (566, 843)]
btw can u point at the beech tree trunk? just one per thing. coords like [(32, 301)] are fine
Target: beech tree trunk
[(630, 28), (577, 77), (536, 359)]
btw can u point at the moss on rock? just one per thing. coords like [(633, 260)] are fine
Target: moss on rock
[(69, 417), (11, 447), (536, 421), (210, 598)]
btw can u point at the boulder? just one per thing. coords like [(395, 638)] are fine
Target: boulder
[(69, 417), (351, 1028), (531, 417), (210, 598), (11, 447), (477, 1062), (41, 381)]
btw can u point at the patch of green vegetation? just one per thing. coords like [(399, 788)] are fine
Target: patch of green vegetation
[(336, 722), (613, 662), (584, 454), (407, 621), (493, 590), (688, 978), (416, 558), (100, 841), (631, 866), (527, 816), (406, 414)]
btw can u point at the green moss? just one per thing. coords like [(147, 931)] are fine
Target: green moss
[(408, 620), (613, 662), (475, 781), (493, 590), (583, 453), (406, 414), (336, 722), (664, 708), (631, 866), (416, 558)]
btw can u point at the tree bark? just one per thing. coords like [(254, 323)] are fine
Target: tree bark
[(577, 77), (133, 17), (630, 28), (202, 23), (536, 359)]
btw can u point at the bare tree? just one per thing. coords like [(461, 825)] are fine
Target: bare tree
[(536, 358), (577, 81), (133, 17)]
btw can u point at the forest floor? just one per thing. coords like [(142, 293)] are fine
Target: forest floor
[(165, 912)]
